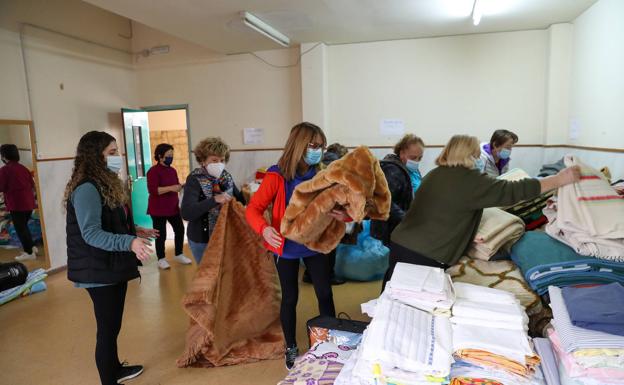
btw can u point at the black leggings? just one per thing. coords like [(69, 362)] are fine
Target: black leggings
[(20, 221), (108, 304), (288, 271), (399, 253), (160, 224)]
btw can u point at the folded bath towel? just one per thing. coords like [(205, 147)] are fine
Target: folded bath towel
[(354, 182)]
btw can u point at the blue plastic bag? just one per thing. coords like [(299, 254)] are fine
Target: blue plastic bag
[(365, 261)]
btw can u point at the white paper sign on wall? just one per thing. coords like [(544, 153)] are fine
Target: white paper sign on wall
[(391, 127), (253, 136), (575, 130)]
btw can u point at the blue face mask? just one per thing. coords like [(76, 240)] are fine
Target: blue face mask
[(479, 164), (114, 163), (313, 157), (168, 160), (505, 153), (412, 165)]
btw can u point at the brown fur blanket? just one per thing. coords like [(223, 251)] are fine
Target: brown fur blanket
[(233, 301), (355, 182)]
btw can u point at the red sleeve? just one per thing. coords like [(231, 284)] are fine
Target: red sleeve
[(259, 202), (152, 181)]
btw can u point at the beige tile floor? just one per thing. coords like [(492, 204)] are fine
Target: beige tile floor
[(49, 338)]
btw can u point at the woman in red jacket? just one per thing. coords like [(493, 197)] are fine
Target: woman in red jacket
[(299, 162), (18, 186)]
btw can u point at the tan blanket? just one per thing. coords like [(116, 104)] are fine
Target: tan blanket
[(498, 230), (233, 300), (355, 182)]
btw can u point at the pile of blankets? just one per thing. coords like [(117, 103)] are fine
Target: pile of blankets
[(529, 211), (354, 183), (589, 215), (586, 345), (423, 287), (498, 231), (544, 261), (490, 338)]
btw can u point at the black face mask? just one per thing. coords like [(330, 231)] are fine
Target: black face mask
[(168, 160)]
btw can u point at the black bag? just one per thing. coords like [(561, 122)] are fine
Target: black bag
[(335, 323), (12, 274)]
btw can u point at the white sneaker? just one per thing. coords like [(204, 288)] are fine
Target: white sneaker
[(163, 264), (26, 257), (183, 259)]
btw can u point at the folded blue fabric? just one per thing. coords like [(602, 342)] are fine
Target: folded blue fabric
[(545, 261), (598, 308)]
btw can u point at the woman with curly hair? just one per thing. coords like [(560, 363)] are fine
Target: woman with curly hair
[(207, 188), (104, 248)]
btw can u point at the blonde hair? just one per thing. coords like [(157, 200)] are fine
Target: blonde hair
[(296, 146), (407, 141), (211, 146), (460, 151)]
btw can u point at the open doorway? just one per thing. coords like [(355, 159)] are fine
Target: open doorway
[(144, 129)]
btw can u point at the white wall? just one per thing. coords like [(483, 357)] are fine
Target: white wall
[(439, 87), (96, 83), (597, 104)]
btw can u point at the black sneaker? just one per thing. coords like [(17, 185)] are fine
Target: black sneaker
[(128, 372), (291, 356), (337, 281)]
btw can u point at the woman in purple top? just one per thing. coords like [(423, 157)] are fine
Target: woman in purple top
[(163, 187)]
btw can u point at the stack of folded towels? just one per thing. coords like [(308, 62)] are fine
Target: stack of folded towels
[(407, 342), (490, 340), (587, 341), (402, 345), (423, 287)]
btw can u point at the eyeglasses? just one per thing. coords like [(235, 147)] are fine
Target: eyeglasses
[(316, 146)]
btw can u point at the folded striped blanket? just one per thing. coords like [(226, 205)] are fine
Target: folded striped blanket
[(529, 211), (589, 215), (497, 230), (545, 261)]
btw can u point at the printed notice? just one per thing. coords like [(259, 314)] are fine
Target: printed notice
[(253, 136), (575, 130), (391, 127)]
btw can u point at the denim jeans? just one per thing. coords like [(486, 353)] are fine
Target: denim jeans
[(197, 249)]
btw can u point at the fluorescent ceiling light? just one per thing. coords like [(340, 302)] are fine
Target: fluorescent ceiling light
[(260, 26), (476, 13)]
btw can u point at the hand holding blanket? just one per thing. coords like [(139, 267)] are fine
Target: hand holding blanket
[(355, 182)]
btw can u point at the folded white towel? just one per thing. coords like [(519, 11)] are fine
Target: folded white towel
[(408, 338), (489, 311), (483, 293), (511, 325), (513, 344), (426, 283)]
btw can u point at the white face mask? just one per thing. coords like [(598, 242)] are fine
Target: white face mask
[(215, 169), (114, 163)]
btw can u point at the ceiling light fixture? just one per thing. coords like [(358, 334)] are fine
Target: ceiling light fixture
[(260, 26), (476, 13)]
